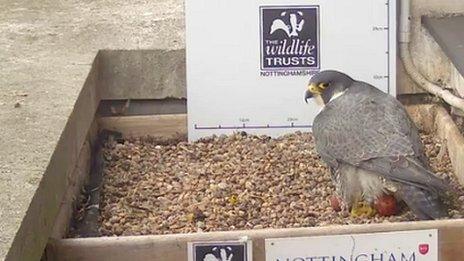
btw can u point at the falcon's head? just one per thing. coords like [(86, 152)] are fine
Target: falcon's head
[(327, 85)]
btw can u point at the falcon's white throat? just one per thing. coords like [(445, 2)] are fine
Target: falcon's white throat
[(336, 95), (321, 103)]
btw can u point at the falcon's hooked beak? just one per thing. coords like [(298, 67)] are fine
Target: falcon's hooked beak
[(308, 95), (314, 90)]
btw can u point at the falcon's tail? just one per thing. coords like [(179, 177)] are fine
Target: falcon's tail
[(423, 203), (408, 171)]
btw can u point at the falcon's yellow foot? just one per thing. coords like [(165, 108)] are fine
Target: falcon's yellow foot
[(362, 209)]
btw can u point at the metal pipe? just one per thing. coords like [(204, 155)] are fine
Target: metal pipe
[(405, 21)]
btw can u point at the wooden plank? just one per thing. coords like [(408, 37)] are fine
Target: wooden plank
[(110, 108), (174, 247), (74, 185), (75, 182), (153, 125)]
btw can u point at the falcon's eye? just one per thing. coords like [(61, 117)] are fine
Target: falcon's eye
[(323, 85)]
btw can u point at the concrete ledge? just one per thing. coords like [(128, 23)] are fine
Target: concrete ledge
[(449, 132), (38, 222), (449, 34), (427, 55), (142, 74)]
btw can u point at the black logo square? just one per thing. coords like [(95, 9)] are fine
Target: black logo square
[(227, 251), (289, 37)]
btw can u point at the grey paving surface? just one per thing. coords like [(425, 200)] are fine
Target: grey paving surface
[(46, 49)]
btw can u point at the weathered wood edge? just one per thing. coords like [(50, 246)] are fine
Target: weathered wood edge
[(174, 247), (154, 125), (75, 180)]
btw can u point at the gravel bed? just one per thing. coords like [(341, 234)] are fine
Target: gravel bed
[(236, 182)]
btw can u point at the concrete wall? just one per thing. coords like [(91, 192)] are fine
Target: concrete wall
[(142, 74), (427, 54)]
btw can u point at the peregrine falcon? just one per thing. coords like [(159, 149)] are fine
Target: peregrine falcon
[(372, 147)]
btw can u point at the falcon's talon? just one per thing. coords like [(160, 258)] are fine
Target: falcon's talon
[(362, 209)]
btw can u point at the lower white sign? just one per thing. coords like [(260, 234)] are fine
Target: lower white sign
[(418, 245)]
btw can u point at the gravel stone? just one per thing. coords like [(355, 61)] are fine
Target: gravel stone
[(236, 182)]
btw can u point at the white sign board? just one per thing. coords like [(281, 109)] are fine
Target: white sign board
[(249, 61), (420, 245)]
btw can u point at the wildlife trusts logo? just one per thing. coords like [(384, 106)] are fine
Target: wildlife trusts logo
[(289, 38), (219, 251)]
